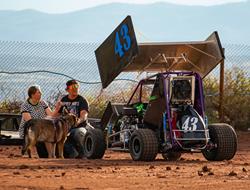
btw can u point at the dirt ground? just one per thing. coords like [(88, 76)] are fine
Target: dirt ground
[(117, 171)]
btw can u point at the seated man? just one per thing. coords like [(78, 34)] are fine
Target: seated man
[(78, 105)]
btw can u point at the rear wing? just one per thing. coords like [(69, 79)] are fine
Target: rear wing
[(116, 52), (120, 53), (198, 56)]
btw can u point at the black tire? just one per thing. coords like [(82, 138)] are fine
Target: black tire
[(171, 156), (225, 139), (94, 144), (143, 145)]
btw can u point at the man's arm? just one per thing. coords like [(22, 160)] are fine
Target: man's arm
[(84, 108), (83, 116)]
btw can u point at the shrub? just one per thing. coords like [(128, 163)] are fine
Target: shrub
[(236, 98), (10, 106)]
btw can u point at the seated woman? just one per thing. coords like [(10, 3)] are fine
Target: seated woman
[(35, 108)]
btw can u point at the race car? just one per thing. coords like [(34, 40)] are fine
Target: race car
[(166, 111)]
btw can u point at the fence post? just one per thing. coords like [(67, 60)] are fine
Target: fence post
[(221, 111)]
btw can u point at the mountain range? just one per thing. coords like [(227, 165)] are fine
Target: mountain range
[(152, 22)]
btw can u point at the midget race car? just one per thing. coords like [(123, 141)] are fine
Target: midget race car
[(166, 111)]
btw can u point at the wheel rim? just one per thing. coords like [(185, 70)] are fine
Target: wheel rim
[(89, 144), (136, 146)]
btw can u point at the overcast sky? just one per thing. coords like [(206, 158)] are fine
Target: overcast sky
[(61, 6)]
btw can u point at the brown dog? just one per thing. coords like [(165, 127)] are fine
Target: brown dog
[(52, 132)]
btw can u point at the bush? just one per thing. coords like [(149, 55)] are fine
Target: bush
[(236, 98), (10, 106)]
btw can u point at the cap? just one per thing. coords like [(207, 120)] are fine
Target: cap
[(70, 82)]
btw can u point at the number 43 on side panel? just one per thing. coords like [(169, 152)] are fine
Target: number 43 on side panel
[(122, 41)]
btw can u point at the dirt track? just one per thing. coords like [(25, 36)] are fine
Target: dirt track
[(117, 171)]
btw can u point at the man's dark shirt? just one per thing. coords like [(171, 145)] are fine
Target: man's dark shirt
[(75, 106)]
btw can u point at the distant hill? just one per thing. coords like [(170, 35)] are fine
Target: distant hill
[(154, 22)]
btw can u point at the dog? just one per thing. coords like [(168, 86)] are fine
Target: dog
[(51, 131)]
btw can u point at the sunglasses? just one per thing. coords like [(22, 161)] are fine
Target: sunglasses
[(73, 86)]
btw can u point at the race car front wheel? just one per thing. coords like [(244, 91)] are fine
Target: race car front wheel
[(143, 145)]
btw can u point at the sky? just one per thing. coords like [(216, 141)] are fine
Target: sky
[(63, 6)]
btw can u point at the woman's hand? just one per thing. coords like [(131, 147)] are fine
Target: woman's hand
[(58, 106), (54, 113)]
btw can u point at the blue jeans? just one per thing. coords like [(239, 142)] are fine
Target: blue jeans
[(73, 146)]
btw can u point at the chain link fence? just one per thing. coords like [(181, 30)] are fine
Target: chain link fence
[(50, 65)]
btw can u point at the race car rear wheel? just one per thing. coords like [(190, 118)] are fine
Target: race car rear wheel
[(224, 138), (94, 144), (143, 145)]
